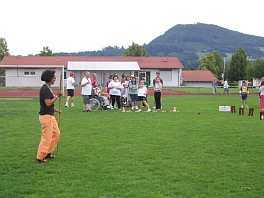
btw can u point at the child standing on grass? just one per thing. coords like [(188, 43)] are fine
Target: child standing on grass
[(157, 93), (123, 93), (133, 91), (142, 93), (244, 93)]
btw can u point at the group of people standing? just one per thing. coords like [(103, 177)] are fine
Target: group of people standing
[(132, 92), (127, 89)]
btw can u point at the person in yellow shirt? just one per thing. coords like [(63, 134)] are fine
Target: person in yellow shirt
[(244, 94)]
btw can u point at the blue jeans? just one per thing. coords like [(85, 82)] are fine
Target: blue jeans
[(133, 97)]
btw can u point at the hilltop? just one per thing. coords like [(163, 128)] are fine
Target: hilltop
[(187, 42)]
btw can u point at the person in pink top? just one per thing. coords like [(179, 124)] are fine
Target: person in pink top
[(110, 78), (93, 80)]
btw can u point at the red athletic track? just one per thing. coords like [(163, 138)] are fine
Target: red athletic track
[(24, 93)]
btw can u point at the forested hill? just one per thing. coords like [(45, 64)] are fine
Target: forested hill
[(187, 41)]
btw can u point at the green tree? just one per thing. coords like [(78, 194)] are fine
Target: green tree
[(46, 52), (259, 68), (219, 63), (238, 65), (135, 50), (250, 71), (3, 52), (3, 48), (208, 62)]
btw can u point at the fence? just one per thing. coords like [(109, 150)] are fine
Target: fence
[(169, 91), (209, 90)]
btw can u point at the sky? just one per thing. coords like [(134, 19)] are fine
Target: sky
[(87, 25)]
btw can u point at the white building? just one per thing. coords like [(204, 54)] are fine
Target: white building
[(25, 71)]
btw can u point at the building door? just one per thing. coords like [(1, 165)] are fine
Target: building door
[(145, 74), (141, 75)]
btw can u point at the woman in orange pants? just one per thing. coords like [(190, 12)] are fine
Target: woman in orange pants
[(50, 130)]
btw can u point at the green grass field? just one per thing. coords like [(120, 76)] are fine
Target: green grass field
[(114, 154)]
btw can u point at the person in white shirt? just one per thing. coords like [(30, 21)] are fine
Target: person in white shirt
[(157, 93), (115, 91), (226, 90), (70, 83), (142, 94), (86, 91)]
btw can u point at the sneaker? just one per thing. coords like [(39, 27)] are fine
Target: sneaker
[(112, 108), (154, 107), (66, 106), (132, 108), (161, 107), (136, 107), (139, 110), (149, 110), (242, 106), (246, 106), (72, 105)]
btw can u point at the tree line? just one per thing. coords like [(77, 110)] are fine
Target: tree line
[(239, 67)]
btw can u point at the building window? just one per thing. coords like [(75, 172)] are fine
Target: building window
[(166, 75), (29, 73)]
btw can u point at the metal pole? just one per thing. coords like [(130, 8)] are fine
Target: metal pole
[(224, 71)]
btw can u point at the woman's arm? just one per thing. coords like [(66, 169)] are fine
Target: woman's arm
[(95, 92), (49, 102), (160, 88)]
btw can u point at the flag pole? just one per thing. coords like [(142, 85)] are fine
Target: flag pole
[(57, 148)]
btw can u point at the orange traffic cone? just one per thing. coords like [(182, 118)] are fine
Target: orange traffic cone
[(123, 109), (174, 109)]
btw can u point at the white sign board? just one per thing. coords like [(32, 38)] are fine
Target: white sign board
[(225, 108)]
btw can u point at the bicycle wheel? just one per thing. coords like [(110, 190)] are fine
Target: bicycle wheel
[(94, 104)]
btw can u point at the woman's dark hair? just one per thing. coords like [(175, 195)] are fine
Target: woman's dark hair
[(133, 82), (262, 83), (47, 75), (115, 76)]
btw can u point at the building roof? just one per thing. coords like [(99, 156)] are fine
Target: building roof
[(143, 62), (198, 75)]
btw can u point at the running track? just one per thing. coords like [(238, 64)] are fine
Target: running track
[(25, 93)]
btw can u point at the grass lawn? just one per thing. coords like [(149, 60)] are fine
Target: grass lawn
[(114, 154)]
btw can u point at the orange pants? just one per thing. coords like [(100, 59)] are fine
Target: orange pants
[(49, 137)]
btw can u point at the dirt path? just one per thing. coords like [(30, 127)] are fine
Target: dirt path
[(23, 93)]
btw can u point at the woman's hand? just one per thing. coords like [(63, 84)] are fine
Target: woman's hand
[(59, 94), (58, 110)]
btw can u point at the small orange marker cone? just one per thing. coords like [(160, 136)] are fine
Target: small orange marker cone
[(123, 109), (174, 109)]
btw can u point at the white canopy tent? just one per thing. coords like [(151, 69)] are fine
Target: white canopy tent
[(103, 66)]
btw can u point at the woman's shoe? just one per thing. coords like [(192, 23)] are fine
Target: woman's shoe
[(41, 161), (50, 156)]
